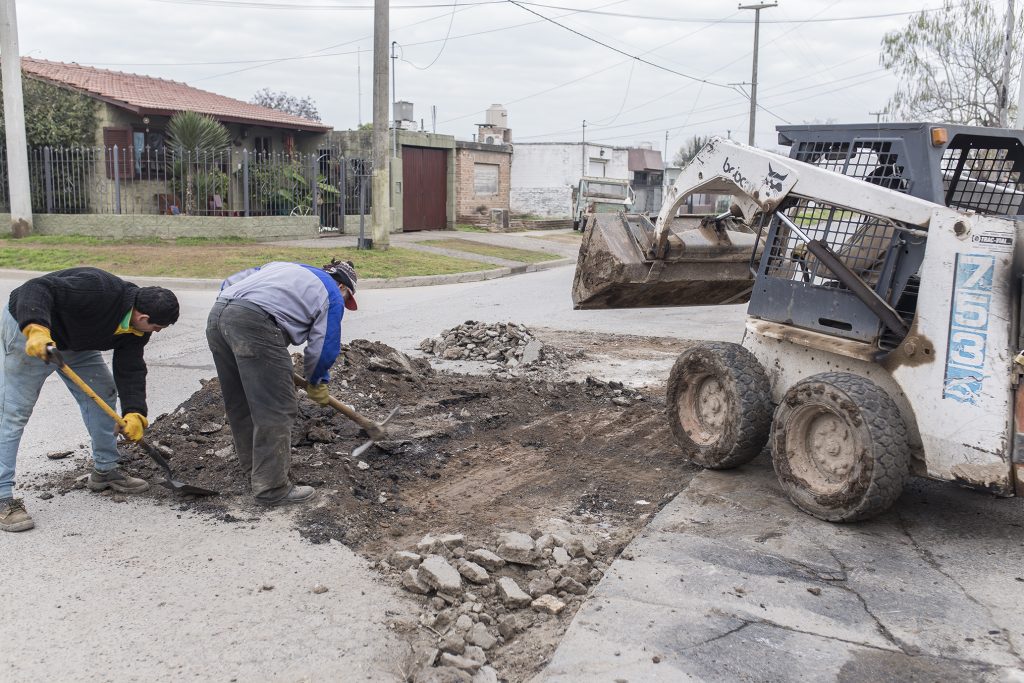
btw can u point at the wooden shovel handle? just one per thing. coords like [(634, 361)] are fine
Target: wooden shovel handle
[(80, 383), (371, 427)]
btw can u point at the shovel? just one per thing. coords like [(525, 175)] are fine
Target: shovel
[(376, 431), (170, 482)]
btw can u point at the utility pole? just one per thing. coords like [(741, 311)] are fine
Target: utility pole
[(753, 79), (878, 115), (394, 101), (583, 152), (1004, 87), (381, 210), (664, 161), (359, 85), (14, 122)]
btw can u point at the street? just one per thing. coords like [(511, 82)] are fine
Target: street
[(718, 586)]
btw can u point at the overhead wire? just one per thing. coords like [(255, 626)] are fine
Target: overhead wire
[(248, 4), (696, 79), (451, 22), (735, 21)]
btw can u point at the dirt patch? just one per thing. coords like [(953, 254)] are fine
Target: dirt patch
[(474, 455)]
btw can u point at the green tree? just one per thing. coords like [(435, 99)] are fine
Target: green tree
[(197, 140), (950, 64), (688, 151), (55, 116)]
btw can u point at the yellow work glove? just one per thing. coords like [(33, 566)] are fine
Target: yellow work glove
[(318, 393), (134, 424), (38, 338)]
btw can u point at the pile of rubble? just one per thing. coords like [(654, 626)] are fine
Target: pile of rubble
[(506, 344), (479, 597)]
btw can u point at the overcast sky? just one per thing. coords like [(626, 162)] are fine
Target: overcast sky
[(819, 59)]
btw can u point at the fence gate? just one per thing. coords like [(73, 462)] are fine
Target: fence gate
[(425, 188)]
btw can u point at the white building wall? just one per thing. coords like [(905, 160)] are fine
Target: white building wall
[(543, 174)]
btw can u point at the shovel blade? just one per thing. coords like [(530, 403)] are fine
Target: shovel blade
[(187, 489)]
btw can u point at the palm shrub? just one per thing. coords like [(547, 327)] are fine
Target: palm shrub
[(199, 141)]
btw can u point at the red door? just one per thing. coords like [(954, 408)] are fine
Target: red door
[(424, 188)]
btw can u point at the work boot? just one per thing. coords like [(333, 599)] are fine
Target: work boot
[(298, 494), (117, 480), (14, 516)]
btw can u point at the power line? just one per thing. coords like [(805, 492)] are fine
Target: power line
[(451, 21), (615, 49), (736, 21), (247, 4)]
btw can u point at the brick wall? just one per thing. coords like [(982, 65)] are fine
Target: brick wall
[(467, 202)]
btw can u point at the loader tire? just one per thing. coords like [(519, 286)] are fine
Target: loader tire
[(719, 405), (839, 447)]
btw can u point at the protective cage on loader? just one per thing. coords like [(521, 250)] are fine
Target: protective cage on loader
[(882, 269)]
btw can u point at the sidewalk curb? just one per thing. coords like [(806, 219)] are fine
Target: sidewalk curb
[(368, 283)]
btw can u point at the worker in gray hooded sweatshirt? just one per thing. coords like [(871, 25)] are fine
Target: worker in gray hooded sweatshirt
[(260, 312)]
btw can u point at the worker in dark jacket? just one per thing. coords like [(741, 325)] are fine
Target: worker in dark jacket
[(260, 312), (80, 311)]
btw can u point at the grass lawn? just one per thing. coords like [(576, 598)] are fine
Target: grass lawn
[(202, 258), (509, 253), (465, 227)]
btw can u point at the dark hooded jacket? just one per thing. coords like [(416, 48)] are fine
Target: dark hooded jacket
[(83, 307)]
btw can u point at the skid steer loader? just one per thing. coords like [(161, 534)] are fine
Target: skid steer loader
[(883, 268)]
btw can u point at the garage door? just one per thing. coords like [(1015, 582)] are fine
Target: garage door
[(425, 188)]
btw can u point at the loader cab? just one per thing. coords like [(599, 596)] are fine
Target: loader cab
[(963, 167)]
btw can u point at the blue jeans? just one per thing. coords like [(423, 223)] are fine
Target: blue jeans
[(20, 383)]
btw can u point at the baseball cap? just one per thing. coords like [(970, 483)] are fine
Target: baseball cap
[(345, 273)]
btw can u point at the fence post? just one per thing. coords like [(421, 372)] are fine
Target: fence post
[(313, 185), (117, 183), (344, 194), (245, 181), (362, 242), (48, 176)]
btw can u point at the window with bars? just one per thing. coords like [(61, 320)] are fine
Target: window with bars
[(863, 243), (983, 174), (876, 161)]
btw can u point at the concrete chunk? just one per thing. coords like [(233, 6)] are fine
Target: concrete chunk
[(403, 559), (560, 556), (540, 586), (548, 603), (486, 674), (570, 585), (479, 636), (486, 559), (472, 571), (459, 662), (413, 583), (517, 547), (436, 571), (511, 594)]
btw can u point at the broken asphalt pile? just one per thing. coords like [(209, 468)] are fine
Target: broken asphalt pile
[(484, 596), (492, 457)]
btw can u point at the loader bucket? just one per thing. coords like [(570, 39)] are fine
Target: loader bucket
[(703, 267)]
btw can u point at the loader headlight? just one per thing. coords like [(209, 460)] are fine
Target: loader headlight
[(940, 136)]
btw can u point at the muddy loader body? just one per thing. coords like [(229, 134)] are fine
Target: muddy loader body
[(884, 269)]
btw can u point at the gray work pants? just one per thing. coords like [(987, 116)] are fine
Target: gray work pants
[(255, 372)]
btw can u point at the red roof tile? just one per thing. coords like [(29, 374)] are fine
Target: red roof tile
[(148, 95)]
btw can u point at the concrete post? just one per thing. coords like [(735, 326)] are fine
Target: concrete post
[(753, 79), (381, 210), (14, 122)]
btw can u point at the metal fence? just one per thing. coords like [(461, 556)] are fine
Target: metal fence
[(231, 182)]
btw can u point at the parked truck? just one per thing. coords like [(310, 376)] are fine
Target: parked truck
[(599, 195), (882, 268)]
